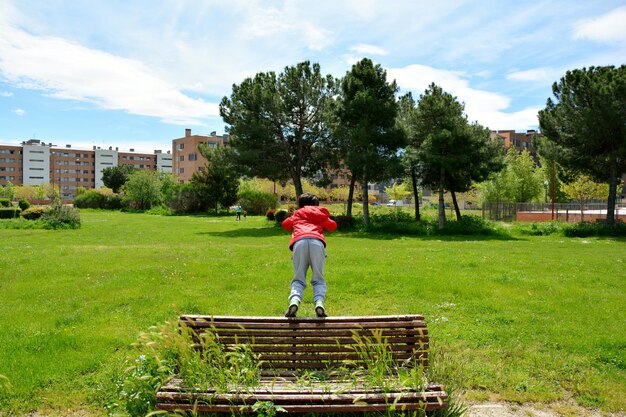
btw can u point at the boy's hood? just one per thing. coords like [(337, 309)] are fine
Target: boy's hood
[(313, 213)]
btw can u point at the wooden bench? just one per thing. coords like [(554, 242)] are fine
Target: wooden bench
[(333, 350)]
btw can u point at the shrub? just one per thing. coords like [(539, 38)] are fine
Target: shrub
[(281, 215), (61, 217), (184, 200), (468, 225), (585, 229), (24, 205), (539, 229), (270, 215), (98, 200), (5, 202), (344, 222), (9, 212), (34, 212), (257, 202)]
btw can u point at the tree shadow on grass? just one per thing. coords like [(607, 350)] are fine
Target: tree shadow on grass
[(445, 238), (248, 232)]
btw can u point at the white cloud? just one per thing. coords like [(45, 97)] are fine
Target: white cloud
[(486, 107), (535, 74), (19, 112), (284, 25), (365, 49), (67, 70), (610, 27), (6, 94)]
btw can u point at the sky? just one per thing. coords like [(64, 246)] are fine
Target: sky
[(136, 74)]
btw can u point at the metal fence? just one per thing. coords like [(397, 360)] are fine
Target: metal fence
[(562, 211)]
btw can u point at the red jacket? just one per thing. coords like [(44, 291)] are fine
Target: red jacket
[(309, 221)]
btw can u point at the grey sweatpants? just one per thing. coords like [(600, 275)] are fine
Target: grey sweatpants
[(308, 252)]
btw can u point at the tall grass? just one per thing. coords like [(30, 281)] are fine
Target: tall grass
[(521, 318)]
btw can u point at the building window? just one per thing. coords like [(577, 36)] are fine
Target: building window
[(181, 170), (193, 157), (181, 146)]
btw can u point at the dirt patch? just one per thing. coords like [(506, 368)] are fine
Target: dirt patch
[(559, 409)]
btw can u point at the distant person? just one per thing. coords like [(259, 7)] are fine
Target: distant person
[(245, 214), (309, 250), (238, 212)]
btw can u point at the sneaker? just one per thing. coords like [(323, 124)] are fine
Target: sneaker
[(320, 311), (292, 310)]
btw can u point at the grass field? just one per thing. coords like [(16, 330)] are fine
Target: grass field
[(521, 318)]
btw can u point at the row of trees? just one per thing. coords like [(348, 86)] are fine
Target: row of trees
[(303, 124)]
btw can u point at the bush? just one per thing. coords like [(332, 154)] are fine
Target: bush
[(5, 202), (281, 215), (344, 222), (539, 229), (34, 212), (98, 200), (270, 214), (9, 212), (184, 200), (24, 205), (586, 229), (61, 217), (257, 202), (468, 225)]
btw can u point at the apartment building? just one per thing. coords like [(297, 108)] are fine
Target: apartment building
[(35, 162), (187, 158), (11, 164), (517, 140)]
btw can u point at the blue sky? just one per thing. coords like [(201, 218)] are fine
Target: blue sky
[(135, 74)]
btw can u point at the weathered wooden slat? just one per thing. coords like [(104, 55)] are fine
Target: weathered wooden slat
[(295, 325), (272, 319), (317, 340), (289, 387), (325, 357), (302, 397), (331, 408), (304, 333)]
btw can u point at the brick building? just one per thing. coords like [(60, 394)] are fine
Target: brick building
[(186, 153), (35, 163)]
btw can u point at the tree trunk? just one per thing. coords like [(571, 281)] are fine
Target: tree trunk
[(416, 195), (350, 195), (297, 183), (366, 206), (456, 206), (610, 206), (442, 208)]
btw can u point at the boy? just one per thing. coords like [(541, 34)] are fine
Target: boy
[(309, 249)]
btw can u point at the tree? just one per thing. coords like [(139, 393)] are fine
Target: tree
[(583, 190), (217, 182), (397, 191), (115, 177), (520, 181), (8, 191), (278, 123), (482, 157), (368, 138), (587, 125), (142, 190), (406, 121), (451, 154)]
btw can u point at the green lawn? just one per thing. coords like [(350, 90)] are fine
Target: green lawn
[(522, 319)]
